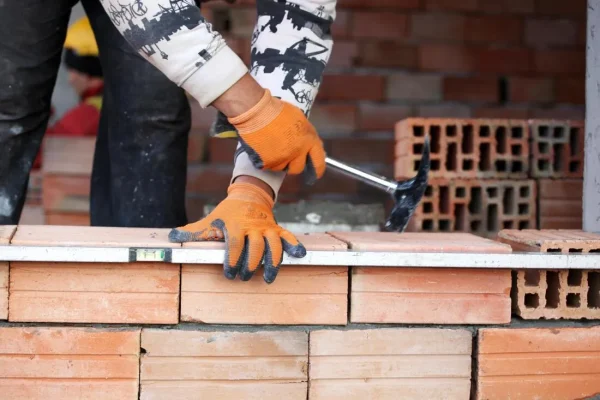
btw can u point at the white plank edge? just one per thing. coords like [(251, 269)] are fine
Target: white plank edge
[(321, 258)]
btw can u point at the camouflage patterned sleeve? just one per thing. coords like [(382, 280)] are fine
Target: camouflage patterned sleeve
[(291, 46), (173, 36)]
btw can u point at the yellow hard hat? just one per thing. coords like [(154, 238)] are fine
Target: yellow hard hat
[(81, 40)]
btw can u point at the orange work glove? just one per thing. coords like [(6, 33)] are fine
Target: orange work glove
[(277, 136), (245, 219)]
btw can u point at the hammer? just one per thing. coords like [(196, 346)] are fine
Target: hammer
[(406, 194)]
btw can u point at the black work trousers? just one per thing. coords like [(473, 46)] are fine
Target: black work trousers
[(140, 161)]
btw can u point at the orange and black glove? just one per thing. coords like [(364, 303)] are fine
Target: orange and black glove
[(278, 137), (245, 220)]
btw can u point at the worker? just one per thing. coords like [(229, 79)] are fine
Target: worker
[(139, 165)]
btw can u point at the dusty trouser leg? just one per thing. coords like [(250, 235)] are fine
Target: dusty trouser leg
[(140, 161), (32, 34)]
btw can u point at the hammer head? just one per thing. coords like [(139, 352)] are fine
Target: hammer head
[(408, 194)]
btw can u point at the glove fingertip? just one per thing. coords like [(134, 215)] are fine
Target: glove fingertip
[(270, 274), (179, 236), (297, 251)]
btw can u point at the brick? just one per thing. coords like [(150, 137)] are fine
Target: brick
[(202, 118), (455, 58), (194, 207), (458, 5), (551, 241), (414, 87), (391, 4), (362, 150), (298, 297), (66, 236), (343, 54), (387, 54), (67, 218), (446, 58), (550, 222), (6, 233), (413, 295), (32, 215), (576, 8), (530, 90), (480, 207), (341, 27), (551, 363), (507, 6), (557, 148), (140, 293), (221, 151), (3, 290), (66, 193), (434, 26), (566, 189), (352, 87), (381, 117), (242, 21), (301, 295), (559, 62), (493, 29), (509, 112), (390, 364), (462, 148), (334, 119), (212, 179), (547, 32), (197, 143), (559, 112), (332, 183), (68, 363), (444, 110), (502, 60), (566, 208), (570, 90), (379, 25), (246, 365), (68, 155), (478, 89)]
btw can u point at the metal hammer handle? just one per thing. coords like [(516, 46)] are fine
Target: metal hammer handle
[(370, 179)]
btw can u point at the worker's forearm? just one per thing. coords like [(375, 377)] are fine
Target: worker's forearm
[(174, 37), (290, 49)]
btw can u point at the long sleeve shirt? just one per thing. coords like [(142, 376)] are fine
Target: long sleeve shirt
[(291, 45)]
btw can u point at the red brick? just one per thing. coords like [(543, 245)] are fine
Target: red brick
[(494, 29), (209, 179), (341, 26), (510, 112), (202, 118), (68, 363), (446, 58), (530, 90), (67, 218), (362, 150), (183, 364), (241, 47), (444, 111), (352, 87), (221, 150), (560, 62), (416, 87), (550, 241), (459, 5), (390, 364), (480, 89), (560, 189), (387, 54), (507, 6), (413, 295), (194, 208), (242, 21), (560, 8), (66, 193), (380, 25), (334, 118), (332, 183), (197, 145), (443, 27), (68, 155), (551, 363), (343, 54), (139, 293), (570, 90), (381, 117), (557, 148), (501, 60), (546, 32), (390, 4), (559, 112), (549, 222)]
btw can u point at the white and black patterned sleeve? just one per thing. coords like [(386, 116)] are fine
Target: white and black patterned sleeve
[(173, 36)]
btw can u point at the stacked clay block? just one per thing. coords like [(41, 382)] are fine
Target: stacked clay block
[(560, 203), (555, 294)]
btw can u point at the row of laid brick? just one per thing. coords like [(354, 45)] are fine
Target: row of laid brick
[(409, 363), (491, 148)]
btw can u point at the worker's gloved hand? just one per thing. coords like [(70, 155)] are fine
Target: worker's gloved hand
[(277, 136), (245, 219)]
